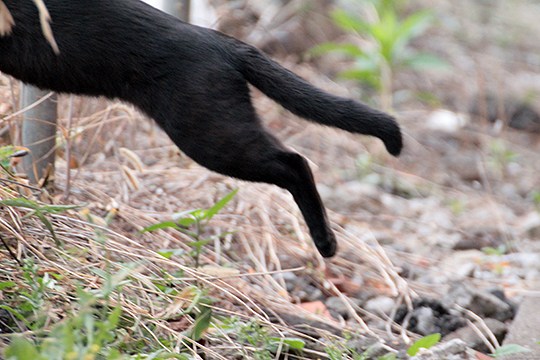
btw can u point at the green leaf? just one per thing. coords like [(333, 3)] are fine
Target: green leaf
[(185, 219), (199, 244), (16, 313), (29, 204), (10, 151), (211, 212), (292, 343), (201, 323), (386, 33), (114, 317), (55, 209), (365, 76), (509, 349), (349, 23), (6, 285), (414, 25), (22, 349), (186, 222), (6, 152), (48, 225), (426, 342), (21, 202), (168, 253), (114, 354), (161, 226), (38, 211)]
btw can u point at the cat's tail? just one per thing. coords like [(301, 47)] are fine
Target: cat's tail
[(303, 99)]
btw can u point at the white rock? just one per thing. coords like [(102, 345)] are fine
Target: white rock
[(380, 305), (445, 120)]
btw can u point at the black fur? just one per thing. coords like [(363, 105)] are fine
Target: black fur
[(193, 82)]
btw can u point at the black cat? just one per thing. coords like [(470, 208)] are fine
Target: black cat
[(193, 82)]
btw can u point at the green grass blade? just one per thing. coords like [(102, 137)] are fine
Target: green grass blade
[(161, 226), (211, 212), (202, 323), (509, 349), (424, 343), (22, 349)]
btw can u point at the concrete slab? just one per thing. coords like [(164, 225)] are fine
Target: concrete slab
[(525, 330)]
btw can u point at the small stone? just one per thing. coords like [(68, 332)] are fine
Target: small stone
[(429, 316), (337, 306), (482, 303), (380, 305), (290, 278), (308, 293), (369, 348), (425, 321), (445, 120)]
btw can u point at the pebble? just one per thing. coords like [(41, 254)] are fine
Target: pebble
[(482, 303), (380, 305), (368, 347), (429, 316), (445, 120), (337, 306)]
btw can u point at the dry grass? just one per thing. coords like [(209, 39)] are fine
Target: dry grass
[(122, 191)]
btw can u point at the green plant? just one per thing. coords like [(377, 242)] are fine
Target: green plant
[(498, 251), (389, 39), (192, 223), (8, 152), (508, 349), (253, 334), (93, 329), (30, 304), (426, 342), (40, 211), (200, 308)]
